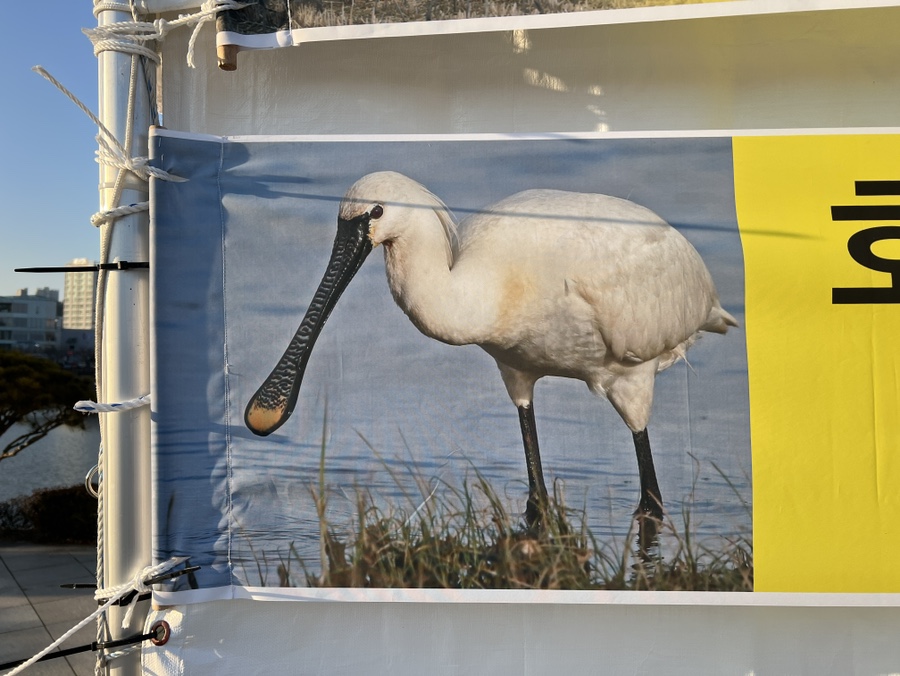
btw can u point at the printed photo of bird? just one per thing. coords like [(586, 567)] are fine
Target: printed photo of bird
[(547, 282)]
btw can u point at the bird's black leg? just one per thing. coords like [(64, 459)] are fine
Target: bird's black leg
[(537, 491), (651, 498), (649, 513)]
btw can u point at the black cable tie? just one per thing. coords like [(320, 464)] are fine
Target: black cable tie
[(128, 598), (172, 574), (92, 647), (134, 596), (120, 265)]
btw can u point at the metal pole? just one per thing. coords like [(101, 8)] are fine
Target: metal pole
[(125, 367)]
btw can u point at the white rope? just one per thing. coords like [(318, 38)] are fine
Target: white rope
[(129, 36), (103, 217), (124, 45), (137, 584), (102, 630), (111, 151), (208, 11), (109, 657), (40, 70), (94, 407), (125, 36), (114, 155)]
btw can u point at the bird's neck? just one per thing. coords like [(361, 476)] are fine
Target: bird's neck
[(441, 304)]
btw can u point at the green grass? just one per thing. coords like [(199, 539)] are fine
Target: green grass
[(464, 538)]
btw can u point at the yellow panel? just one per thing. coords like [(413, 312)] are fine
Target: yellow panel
[(823, 375)]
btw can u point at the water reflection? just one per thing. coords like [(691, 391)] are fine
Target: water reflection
[(604, 492), (646, 542), (62, 458)]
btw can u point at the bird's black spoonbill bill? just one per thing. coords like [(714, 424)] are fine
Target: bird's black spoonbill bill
[(547, 282)]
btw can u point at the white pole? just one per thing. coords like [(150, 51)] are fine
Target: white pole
[(125, 364)]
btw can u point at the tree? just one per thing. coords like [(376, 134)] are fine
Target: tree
[(40, 394)]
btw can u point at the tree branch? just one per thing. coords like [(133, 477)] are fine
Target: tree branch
[(16, 446)]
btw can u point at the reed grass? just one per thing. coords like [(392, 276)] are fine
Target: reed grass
[(464, 537), (317, 13)]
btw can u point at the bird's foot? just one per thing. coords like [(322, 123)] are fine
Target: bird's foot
[(649, 518), (536, 516), (650, 507)]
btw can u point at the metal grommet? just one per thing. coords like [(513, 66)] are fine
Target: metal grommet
[(89, 481), (163, 632)]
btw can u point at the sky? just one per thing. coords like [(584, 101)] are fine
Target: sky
[(49, 177)]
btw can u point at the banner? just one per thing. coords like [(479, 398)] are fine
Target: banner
[(265, 24), (400, 427), (818, 218)]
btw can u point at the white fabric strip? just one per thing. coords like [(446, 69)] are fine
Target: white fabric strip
[(540, 596), (417, 138), (707, 10)]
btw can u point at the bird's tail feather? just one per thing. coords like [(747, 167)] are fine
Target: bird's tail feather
[(718, 320)]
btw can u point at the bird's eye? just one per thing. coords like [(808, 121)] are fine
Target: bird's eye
[(377, 212)]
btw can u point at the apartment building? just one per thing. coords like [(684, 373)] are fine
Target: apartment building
[(79, 294), (30, 323)]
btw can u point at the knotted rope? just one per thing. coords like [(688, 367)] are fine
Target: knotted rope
[(137, 584), (129, 36)]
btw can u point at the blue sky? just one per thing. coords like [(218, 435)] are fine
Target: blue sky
[(49, 176)]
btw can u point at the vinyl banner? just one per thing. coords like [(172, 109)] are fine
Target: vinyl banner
[(265, 24), (559, 362)]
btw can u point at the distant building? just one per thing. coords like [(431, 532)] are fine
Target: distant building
[(30, 323), (47, 292), (79, 295)]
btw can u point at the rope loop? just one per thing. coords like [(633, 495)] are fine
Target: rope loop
[(124, 36), (89, 481), (87, 406), (115, 156), (110, 215), (142, 167), (125, 46)]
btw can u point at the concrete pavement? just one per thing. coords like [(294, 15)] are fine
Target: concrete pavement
[(34, 610)]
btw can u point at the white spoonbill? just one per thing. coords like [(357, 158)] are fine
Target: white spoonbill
[(547, 282)]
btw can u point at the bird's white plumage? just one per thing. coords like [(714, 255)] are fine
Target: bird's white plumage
[(548, 282)]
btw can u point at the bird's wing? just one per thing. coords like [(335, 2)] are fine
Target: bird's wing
[(647, 288), (649, 295)]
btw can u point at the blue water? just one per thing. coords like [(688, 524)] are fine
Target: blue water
[(62, 458)]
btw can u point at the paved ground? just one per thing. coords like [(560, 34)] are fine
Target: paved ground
[(34, 610)]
